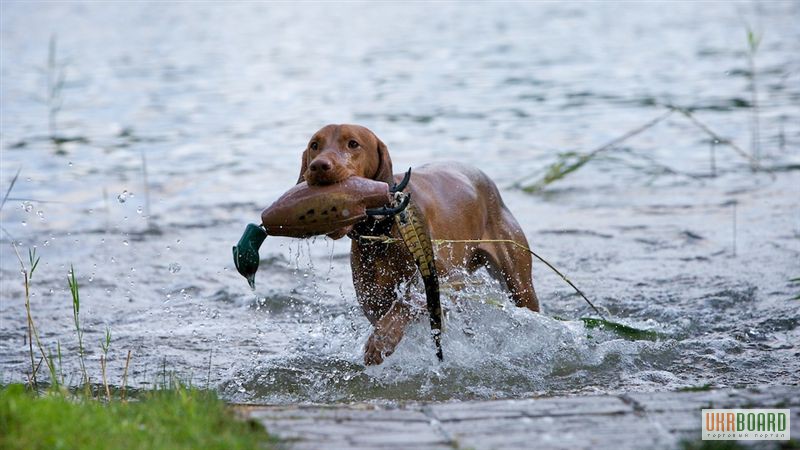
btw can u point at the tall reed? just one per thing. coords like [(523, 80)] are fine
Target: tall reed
[(753, 43), (74, 289), (55, 85), (33, 334), (104, 346)]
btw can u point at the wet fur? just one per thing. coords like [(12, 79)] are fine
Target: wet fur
[(456, 201)]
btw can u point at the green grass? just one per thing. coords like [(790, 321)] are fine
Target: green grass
[(175, 418)]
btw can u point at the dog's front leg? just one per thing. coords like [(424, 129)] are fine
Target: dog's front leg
[(388, 332)]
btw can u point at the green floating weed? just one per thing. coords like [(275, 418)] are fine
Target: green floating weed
[(625, 331), (797, 282), (567, 163), (701, 388)]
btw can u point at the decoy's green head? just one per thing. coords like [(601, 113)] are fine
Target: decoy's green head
[(245, 253)]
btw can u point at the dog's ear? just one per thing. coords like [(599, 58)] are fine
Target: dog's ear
[(384, 172), (303, 167)]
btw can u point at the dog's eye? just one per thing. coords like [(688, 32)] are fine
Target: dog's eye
[(313, 146), (352, 144)]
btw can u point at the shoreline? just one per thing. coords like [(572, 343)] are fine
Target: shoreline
[(626, 421)]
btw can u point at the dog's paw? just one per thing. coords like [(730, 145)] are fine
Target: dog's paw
[(380, 345)]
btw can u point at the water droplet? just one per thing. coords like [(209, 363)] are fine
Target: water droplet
[(27, 206), (178, 241), (139, 210), (24, 223), (125, 242), (174, 268), (40, 213), (69, 164), (46, 242)]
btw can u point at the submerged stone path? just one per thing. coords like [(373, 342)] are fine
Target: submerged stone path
[(629, 421)]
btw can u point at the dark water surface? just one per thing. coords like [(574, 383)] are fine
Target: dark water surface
[(221, 100)]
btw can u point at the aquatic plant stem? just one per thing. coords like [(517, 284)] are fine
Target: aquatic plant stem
[(125, 376), (572, 161), (103, 373), (146, 191), (104, 345), (712, 153), (583, 159), (30, 327), (753, 42), (38, 365), (76, 309), (755, 165), (55, 85), (734, 227), (34, 367), (208, 377), (10, 187), (32, 333)]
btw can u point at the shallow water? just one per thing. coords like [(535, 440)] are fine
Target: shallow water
[(220, 100)]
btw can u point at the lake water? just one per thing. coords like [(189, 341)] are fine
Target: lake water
[(221, 99)]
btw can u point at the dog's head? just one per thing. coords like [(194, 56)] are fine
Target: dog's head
[(337, 152)]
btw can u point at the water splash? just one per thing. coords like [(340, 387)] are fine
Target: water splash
[(492, 349)]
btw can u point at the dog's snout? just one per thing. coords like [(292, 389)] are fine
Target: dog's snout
[(320, 165), (325, 169)]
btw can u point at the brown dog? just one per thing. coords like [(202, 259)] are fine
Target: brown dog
[(456, 201)]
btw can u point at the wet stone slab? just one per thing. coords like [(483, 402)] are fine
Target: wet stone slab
[(629, 421)]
